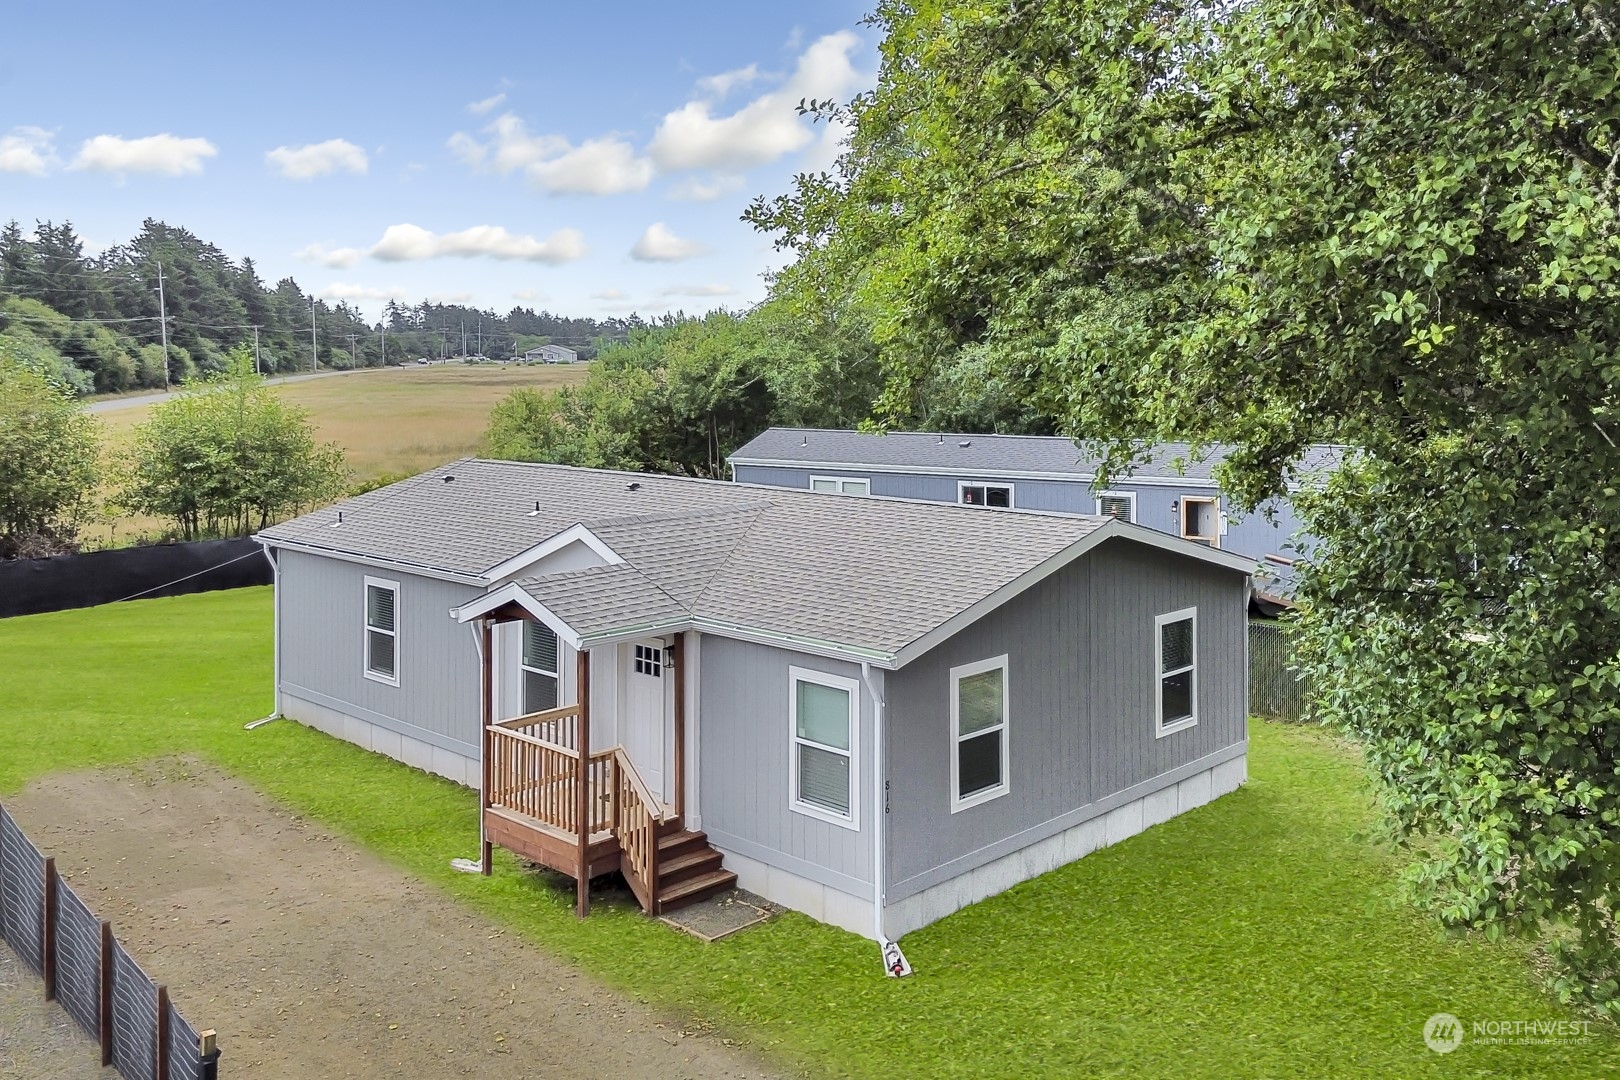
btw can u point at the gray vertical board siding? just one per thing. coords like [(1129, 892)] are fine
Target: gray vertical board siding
[(743, 761), (1254, 534), (323, 648), (1081, 685)]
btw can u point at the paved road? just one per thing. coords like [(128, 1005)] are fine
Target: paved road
[(114, 404)]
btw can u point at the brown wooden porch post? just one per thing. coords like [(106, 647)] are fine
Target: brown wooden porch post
[(678, 654), (582, 787), (486, 859)]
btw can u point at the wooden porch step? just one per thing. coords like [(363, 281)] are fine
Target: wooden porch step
[(694, 889), (688, 865), (672, 845)]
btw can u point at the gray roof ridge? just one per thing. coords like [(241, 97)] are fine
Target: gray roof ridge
[(724, 563), (652, 516), (602, 571)]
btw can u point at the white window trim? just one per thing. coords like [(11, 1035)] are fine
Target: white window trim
[(1128, 496), (366, 629), (1220, 520), (522, 652), (864, 483), (797, 675), (957, 675), (1159, 728), (963, 485)]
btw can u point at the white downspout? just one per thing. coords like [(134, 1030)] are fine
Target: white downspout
[(275, 604), (476, 866), (894, 961)]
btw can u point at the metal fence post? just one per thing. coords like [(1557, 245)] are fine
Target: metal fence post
[(162, 1071), (106, 993), (209, 1053), (47, 937)]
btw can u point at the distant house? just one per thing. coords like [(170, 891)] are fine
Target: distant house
[(872, 710), (551, 354), (1171, 492)]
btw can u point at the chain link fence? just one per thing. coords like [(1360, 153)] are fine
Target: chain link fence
[(1276, 690), (90, 974)]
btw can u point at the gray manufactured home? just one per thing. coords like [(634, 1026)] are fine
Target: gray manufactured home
[(1172, 491), (875, 711)]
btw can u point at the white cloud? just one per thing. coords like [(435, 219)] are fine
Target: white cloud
[(660, 244), (531, 296), (722, 84), (29, 150), (697, 290), (607, 165), (406, 243), (698, 189), (488, 105), (609, 294), (765, 129), (317, 159), (166, 154), (337, 258)]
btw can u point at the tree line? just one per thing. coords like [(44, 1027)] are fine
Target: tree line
[(95, 323), (1268, 224)]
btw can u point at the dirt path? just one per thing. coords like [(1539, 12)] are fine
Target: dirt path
[(313, 958)]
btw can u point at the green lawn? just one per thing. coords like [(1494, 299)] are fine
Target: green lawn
[(1258, 936)]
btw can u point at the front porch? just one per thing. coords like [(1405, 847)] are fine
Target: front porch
[(552, 793)]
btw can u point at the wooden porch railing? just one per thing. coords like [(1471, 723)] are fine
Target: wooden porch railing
[(635, 822), (560, 726), (537, 777)]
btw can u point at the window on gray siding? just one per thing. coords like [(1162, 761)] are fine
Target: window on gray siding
[(979, 722), (541, 674), (995, 495), (841, 485), (824, 739), (1177, 667), (382, 630), (1117, 504)]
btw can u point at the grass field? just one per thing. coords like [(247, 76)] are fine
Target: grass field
[(1259, 936), (389, 421)]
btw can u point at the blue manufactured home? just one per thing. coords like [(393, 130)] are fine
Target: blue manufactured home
[(1172, 492), (875, 711)]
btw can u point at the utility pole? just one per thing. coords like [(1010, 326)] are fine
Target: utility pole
[(354, 359), (257, 366), (480, 334), (314, 355), (464, 339), (385, 343), (163, 324)]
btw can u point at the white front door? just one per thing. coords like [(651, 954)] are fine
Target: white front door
[(645, 722)]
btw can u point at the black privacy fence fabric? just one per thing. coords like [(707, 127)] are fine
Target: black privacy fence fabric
[(78, 960), (91, 975), (22, 884), (32, 586)]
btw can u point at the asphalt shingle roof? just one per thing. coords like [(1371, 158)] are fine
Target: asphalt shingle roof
[(866, 573), (1009, 455)]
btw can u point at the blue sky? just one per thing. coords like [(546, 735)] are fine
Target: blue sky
[(587, 158)]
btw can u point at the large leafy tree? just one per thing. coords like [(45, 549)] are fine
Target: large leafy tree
[(1386, 224), (227, 455), (48, 451)]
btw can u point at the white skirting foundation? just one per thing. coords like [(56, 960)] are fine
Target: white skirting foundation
[(1120, 823), (381, 740)]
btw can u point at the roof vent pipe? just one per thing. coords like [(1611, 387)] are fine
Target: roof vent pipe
[(535, 512), (339, 521)]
